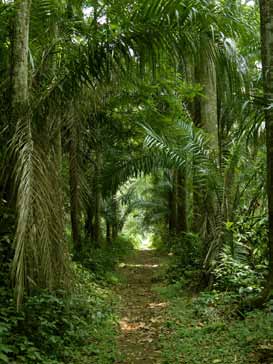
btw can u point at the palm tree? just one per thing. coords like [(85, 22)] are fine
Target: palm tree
[(266, 10), (66, 59)]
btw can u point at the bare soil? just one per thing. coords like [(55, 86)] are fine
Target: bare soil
[(141, 310)]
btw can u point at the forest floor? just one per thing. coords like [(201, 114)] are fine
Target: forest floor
[(160, 323), (141, 310)]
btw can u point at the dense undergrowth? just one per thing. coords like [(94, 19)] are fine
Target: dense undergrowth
[(53, 329), (205, 329), (206, 323), (79, 327)]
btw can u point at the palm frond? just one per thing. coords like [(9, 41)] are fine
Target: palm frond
[(40, 253)]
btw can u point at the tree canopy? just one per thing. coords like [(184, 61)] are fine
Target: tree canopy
[(142, 117)]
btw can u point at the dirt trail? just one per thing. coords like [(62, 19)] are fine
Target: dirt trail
[(141, 309)]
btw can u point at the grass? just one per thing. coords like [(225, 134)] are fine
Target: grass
[(205, 329)]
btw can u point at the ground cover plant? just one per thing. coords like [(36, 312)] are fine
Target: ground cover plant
[(207, 329), (59, 328)]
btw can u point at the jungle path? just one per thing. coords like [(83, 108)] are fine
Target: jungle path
[(141, 309)]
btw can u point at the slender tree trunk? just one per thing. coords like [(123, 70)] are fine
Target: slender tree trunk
[(198, 193), (115, 225), (205, 116), (19, 102), (108, 232), (57, 138), (74, 189), (20, 53), (114, 232), (208, 103), (97, 190), (266, 8), (181, 221), (172, 204), (39, 256), (89, 229), (209, 121)]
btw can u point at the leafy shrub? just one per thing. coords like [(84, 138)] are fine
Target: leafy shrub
[(236, 275), (186, 248), (242, 261), (57, 329), (161, 240), (186, 251), (103, 260)]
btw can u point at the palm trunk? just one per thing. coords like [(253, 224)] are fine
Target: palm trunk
[(208, 103), (40, 258), (108, 232), (115, 225), (198, 193), (266, 7), (19, 104), (57, 143), (20, 53), (182, 221), (97, 191), (205, 116), (209, 121), (74, 190), (89, 229), (58, 137), (172, 204)]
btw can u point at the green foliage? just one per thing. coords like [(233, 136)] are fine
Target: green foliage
[(204, 330), (185, 264), (58, 329), (186, 249), (161, 240), (243, 258), (105, 85), (101, 261), (7, 222)]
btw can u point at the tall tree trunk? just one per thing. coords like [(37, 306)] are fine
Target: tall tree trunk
[(172, 203), (20, 55), (40, 257), (97, 191), (208, 103), (108, 232), (74, 188), (198, 193), (209, 121), (89, 228), (182, 220), (205, 116), (115, 225), (266, 8), (19, 107), (57, 137)]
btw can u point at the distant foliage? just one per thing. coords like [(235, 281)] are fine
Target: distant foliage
[(103, 260), (186, 257)]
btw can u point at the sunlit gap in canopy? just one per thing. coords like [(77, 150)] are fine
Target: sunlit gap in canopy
[(146, 242), (137, 205), (248, 2), (88, 11)]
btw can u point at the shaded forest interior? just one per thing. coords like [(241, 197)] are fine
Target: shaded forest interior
[(127, 126)]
